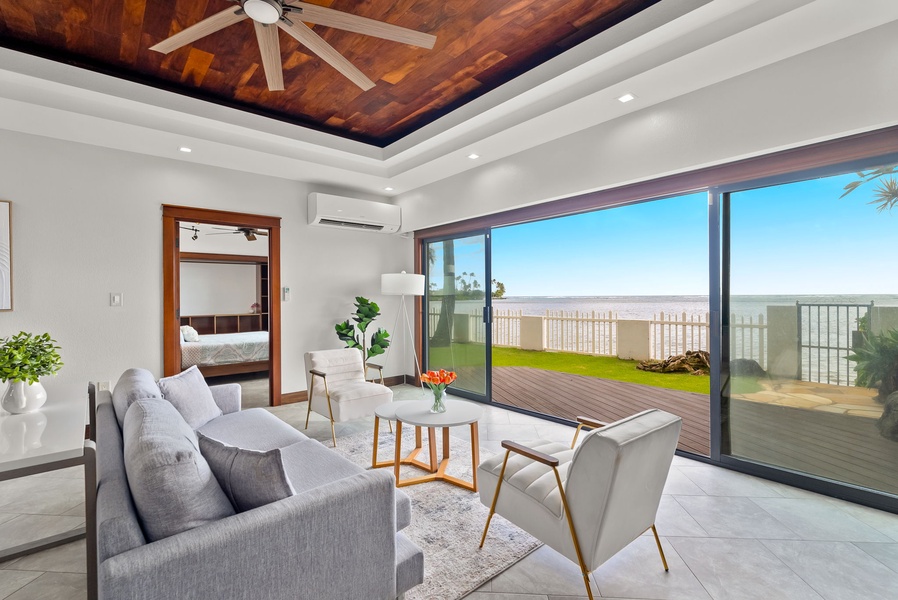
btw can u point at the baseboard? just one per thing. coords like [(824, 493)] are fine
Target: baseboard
[(294, 397)]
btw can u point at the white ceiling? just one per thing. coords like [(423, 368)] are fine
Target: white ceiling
[(671, 49)]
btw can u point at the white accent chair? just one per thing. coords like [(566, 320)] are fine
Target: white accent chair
[(590, 502), (338, 389)]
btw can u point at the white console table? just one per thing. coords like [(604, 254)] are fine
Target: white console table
[(45, 440)]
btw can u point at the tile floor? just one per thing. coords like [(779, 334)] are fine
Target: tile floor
[(727, 536)]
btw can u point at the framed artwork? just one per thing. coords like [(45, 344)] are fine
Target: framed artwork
[(5, 255)]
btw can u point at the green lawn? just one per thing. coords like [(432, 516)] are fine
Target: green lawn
[(605, 367)]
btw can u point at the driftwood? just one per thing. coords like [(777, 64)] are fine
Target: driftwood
[(696, 362)]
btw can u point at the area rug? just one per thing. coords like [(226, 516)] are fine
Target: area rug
[(447, 521)]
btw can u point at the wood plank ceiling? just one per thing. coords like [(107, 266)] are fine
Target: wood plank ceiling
[(481, 44)]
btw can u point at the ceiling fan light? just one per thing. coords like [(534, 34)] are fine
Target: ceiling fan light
[(263, 11)]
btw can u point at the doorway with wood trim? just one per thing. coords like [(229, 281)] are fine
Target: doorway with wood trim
[(263, 316)]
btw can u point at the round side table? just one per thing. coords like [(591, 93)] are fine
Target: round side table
[(417, 413)]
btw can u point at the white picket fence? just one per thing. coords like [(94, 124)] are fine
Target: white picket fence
[(675, 334), (595, 333), (582, 333)]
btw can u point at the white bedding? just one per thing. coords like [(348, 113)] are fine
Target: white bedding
[(225, 349)]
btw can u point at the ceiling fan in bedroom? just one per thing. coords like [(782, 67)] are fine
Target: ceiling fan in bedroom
[(292, 16), (194, 229), (249, 233)]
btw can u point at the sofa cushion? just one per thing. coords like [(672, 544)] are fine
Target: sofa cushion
[(134, 384), (310, 464), (253, 429), (118, 529), (250, 478), (190, 394), (171, 483)]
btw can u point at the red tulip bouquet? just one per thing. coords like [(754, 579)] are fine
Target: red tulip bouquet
[(437, 382)]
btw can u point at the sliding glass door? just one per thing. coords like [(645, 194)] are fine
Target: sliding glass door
[(457, 309), (811, 328)]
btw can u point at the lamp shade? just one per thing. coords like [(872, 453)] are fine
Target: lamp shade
[(402, 284)]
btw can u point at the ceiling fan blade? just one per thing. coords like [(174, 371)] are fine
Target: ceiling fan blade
[(270, 47), (320, 15), (313, 42), (257, 232), (205, 27), (228, 233)]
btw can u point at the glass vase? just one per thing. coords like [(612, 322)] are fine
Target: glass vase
[(438, 405)]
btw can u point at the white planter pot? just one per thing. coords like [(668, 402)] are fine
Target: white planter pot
[(21, 397)]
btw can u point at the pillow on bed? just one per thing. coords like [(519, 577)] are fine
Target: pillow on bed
[(189, 334), (191, 396)]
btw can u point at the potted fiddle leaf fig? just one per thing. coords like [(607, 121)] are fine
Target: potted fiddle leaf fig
[(24, 359), (365, 313)]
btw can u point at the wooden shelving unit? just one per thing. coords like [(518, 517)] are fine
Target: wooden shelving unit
[(206, 324)]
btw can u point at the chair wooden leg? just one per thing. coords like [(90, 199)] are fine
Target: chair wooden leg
[(576, 435), (374, 451), (495, 498), (330, 413), (660, 549), (588, 588), (570, 522), (309, 411)]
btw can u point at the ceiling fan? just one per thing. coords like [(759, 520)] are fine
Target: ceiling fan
[(292, 16), (249, 233), (194, 229)]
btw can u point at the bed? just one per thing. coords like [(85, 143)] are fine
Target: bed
[(227, 353)]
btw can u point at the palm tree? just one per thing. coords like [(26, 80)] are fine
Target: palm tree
[(886, 194)]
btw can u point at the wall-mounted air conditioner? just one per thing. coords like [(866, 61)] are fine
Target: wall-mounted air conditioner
[(351, 213)]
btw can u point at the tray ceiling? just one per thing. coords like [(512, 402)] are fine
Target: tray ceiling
[(481, 44)]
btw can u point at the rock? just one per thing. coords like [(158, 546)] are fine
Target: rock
[(746, 367), (888, 422)]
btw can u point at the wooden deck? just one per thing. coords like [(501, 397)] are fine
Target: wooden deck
[(567, 396), (834, 446), (841, 447)]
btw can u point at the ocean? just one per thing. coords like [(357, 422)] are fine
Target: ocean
[(647, 307)]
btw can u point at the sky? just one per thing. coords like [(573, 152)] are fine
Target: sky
[(790, 239)]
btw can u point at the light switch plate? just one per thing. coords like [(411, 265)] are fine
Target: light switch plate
[(286, 294), (116, 299)]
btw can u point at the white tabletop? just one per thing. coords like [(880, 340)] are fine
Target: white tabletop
[(53, 432), (458, 412)]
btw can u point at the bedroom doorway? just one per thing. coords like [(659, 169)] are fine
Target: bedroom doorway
[(221, 273)]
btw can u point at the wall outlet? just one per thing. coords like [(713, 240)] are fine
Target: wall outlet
[(116, 299)]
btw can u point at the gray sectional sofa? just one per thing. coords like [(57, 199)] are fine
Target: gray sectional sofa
[(337, 536)]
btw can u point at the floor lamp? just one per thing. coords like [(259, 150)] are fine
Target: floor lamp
[(402, 285)]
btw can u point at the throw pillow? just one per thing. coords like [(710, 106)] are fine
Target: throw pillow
[(189, 334), (190, 394), (250, 478), (171, 483), (134, 384)]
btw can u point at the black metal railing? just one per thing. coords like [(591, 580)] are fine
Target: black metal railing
[(826, 335)]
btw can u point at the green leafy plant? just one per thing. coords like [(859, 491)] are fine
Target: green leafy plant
[(877, 363), (365, 313), (27, 357)]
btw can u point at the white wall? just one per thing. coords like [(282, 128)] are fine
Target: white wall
[(217, 288), (87, 221), (843, 88)]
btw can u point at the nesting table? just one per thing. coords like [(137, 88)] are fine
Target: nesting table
[(417, 414)]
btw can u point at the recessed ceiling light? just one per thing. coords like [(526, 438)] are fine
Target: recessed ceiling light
[(388, 189), (627, 98), (473, 156), (185, 149)]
